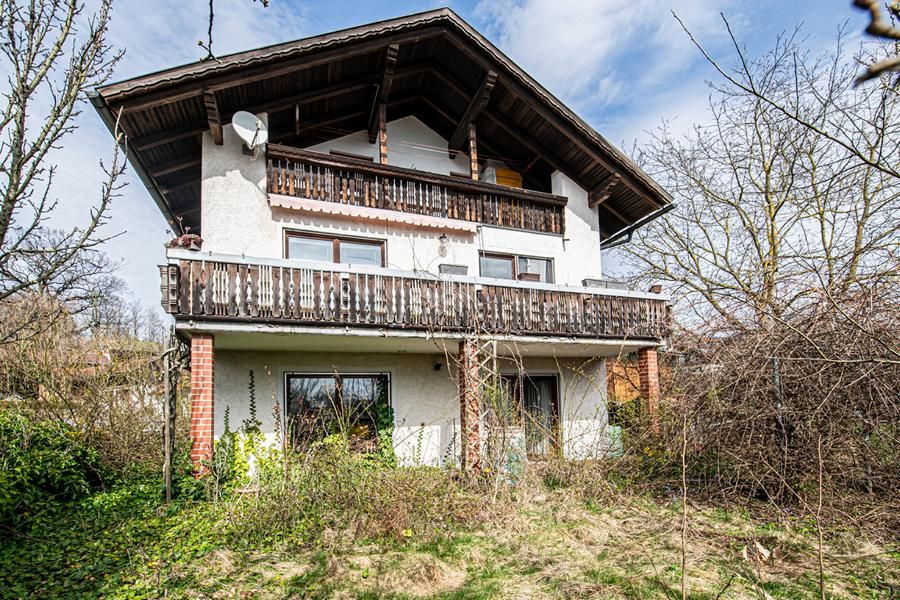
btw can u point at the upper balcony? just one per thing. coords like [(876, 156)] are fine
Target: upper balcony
[(356, 182), (206, 287)]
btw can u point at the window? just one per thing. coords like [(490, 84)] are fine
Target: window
[(542, 267), (500, 267), (508, 266), (318, 405), (324, 248), (532, 403)]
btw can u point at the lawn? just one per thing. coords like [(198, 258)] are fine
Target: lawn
[(540, 543)]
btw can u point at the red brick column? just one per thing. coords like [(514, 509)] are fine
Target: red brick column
[(648, 369), (202, 399), (469, 411)]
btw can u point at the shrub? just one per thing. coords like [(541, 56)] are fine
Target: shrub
[(329, 488), (42, 463)]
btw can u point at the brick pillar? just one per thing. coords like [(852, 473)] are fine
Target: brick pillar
[(648, 369), (469, 412), (202, 399)]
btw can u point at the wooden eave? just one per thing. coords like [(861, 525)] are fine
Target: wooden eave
[(435, 67)]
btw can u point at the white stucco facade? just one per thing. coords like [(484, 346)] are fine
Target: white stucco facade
[(422, 393), (237, 219)]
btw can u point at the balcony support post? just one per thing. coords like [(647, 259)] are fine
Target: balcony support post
[(648, 371), (469, 377), (202, 400), (473, 152), (382, 134)]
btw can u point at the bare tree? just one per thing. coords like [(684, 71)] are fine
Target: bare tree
[(789, 196), (884, 27), (52, 54)]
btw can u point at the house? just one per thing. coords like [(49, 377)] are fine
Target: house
[(425, 223)]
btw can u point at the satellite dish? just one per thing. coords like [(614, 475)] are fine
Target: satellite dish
[(250, 129)]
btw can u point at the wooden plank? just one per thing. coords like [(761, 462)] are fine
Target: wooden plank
[(473, 153), (309, 96), (476, 106), (602, 192), (607, 207), (277, 151), (213, 117), (382, 133), (173, 166), (133, 102), (146, 142), (179, 183)]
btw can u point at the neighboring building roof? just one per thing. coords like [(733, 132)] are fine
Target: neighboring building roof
[(442, 68)]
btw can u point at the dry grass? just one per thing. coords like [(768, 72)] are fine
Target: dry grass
[(552, 545)]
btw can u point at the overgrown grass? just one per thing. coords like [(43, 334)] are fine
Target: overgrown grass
[(333, 523), (346, 527)]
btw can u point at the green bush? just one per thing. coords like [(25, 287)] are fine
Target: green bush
[(42, 463)]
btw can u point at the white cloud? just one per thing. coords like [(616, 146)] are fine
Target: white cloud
[(594, 54)]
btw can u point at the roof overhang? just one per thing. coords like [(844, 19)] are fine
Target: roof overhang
[(443, 71)]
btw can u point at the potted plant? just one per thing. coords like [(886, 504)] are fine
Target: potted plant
[(188, 240)]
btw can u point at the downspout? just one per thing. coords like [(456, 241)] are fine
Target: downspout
[(615, 239), (110, 120)]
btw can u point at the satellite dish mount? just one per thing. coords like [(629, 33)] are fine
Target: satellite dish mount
[(251, 130)]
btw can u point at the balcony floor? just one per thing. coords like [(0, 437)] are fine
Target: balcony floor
[(292, 338)]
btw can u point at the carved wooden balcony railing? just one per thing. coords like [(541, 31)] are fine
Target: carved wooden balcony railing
[(307, 174), (289, 292)]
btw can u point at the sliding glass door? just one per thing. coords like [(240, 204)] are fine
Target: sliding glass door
[(535, 403)]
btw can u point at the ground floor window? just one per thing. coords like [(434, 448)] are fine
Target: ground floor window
[(351, 404)]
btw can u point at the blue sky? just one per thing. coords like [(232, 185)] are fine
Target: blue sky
[(623, 65)]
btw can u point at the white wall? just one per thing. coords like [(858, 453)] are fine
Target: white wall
[(411, 144), (426, 408), (426, 412), (237, 219)]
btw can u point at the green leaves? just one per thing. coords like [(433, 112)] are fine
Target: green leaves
[(42, 463)]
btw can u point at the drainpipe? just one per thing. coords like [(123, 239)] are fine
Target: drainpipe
[(616, 238), (110, 120)]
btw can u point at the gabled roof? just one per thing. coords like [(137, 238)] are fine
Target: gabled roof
[(322, 87)]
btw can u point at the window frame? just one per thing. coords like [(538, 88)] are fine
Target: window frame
[(335, 243), (516, 382), (337, 376), (514, 258)]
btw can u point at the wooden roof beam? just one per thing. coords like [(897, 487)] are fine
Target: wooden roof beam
[(213, 117), (146, 142), (384, 89), (603, 192), (616, 214), (304, 61), (477, 105), (450, 120), (309, 126), (173, 166), (527, 142), (325, 93), (179, 183), (547, 114)]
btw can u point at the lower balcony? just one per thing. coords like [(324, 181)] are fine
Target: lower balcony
[(206, 287)]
